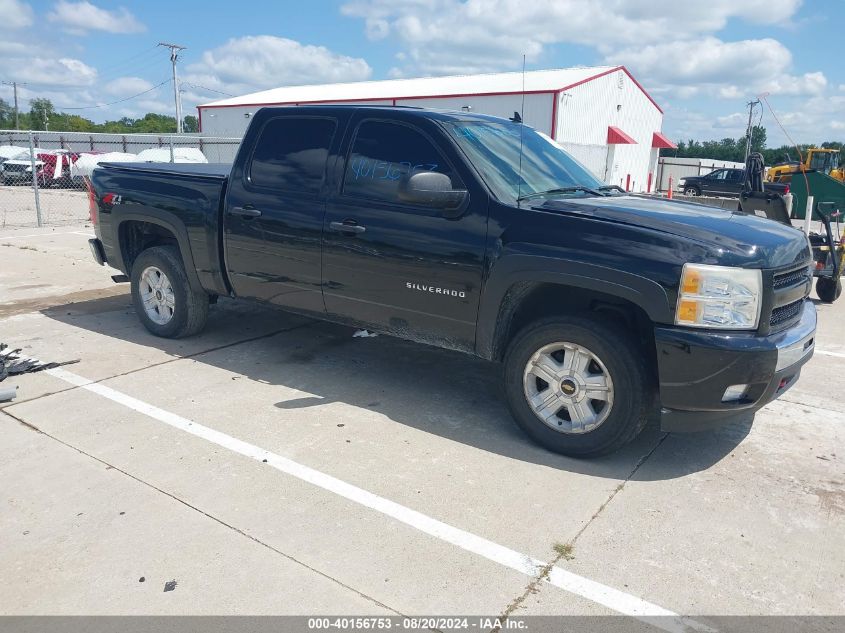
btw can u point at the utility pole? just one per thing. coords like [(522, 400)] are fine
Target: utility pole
[(15, 85), (177, 97), (750, 105)]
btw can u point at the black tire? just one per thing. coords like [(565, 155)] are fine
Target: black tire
[(692, 191), (633, 392), (828, 289), (190, 308)]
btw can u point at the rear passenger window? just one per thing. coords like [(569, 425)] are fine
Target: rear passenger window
[(291, 154), (385, 153)]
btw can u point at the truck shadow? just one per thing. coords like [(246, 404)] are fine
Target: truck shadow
[(453, 395)]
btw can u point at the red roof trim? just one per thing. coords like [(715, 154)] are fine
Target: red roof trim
[(660, 141), (615, 136), (446, 96)]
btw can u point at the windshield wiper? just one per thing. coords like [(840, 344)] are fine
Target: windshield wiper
[(539, 194), (611, 188)]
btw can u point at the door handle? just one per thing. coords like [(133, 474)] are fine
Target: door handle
[(350, 227), (246, 212)]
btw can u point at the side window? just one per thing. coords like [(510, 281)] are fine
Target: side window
[(291, 154), (384, 154), (736, 175), (720, 174)]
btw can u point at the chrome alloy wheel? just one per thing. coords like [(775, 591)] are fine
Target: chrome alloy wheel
[(568, 388), (157, 295)]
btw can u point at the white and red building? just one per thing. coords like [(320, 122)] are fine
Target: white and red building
[(601, 115)]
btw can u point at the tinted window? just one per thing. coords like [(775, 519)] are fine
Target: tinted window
[(384, 154), (291, 154)]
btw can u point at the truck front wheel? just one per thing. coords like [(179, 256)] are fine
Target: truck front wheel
[(163, 297), (577, 386), (828, 289)]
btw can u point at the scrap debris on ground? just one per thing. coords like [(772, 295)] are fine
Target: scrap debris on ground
[(13, 363)]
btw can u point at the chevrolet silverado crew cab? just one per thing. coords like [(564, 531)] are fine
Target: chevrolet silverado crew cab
[(477, 234)]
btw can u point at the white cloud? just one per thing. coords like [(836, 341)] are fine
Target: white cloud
[(127, 86), (80, 17), (257, 62), (443, 36), (50, 72), (730, 70), (15, 14)]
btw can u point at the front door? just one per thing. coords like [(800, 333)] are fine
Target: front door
[(404, 268), (274, 213), (735, 182), (714, 183)]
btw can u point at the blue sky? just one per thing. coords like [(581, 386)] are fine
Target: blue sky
[(701, 60)]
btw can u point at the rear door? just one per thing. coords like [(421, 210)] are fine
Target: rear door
[(402, 267), (274, 212)]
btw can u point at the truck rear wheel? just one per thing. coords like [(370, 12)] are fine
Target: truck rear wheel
[(577, 386), (163, 297)]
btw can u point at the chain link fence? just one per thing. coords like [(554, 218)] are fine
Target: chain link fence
[(42, 174)]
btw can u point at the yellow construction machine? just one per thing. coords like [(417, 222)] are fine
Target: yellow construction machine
[(825, 161)]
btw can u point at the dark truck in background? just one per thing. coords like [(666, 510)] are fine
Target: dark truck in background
[(476, 234), (728, 182)]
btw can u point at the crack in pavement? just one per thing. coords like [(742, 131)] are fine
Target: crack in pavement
[(544, 572), (218, 520)]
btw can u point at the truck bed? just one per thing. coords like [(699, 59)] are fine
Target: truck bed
[(214, 171), (184, 198)]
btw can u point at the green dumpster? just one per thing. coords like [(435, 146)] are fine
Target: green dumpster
[(823, 188)]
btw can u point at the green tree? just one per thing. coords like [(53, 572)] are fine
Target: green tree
[(40, 112), (7, 115), (191, 124)]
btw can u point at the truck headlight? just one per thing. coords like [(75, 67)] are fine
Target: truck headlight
[(719, 297)]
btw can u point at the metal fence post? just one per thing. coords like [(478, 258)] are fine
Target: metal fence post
[(172, 159), (34, 179)]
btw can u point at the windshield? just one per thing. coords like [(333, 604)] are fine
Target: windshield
[(824, 161), (493, 148)]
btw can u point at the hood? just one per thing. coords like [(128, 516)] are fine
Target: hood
[(739, 239)]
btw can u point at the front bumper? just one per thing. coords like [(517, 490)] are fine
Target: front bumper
[(696, 367)]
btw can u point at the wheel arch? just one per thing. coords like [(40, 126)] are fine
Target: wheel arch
[(534, 289), (135, 234)]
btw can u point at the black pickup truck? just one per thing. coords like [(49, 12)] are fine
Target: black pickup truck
[(723, 183), (477, 234)]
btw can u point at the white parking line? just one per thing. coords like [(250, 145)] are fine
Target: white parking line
[(609, 597)]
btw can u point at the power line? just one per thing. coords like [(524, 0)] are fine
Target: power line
[(104, 105), (124, 62), (143, 65), (220, 92)]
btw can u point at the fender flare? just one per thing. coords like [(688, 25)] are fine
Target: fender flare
[(152, 216), (500, 298)]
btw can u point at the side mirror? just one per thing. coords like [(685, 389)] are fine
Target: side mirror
[(432, 189)]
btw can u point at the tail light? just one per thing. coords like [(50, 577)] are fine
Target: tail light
[(786, 191), (92, 203)]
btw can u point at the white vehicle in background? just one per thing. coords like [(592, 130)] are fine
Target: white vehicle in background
[(17, 169), (178, 155), (9, 151)]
